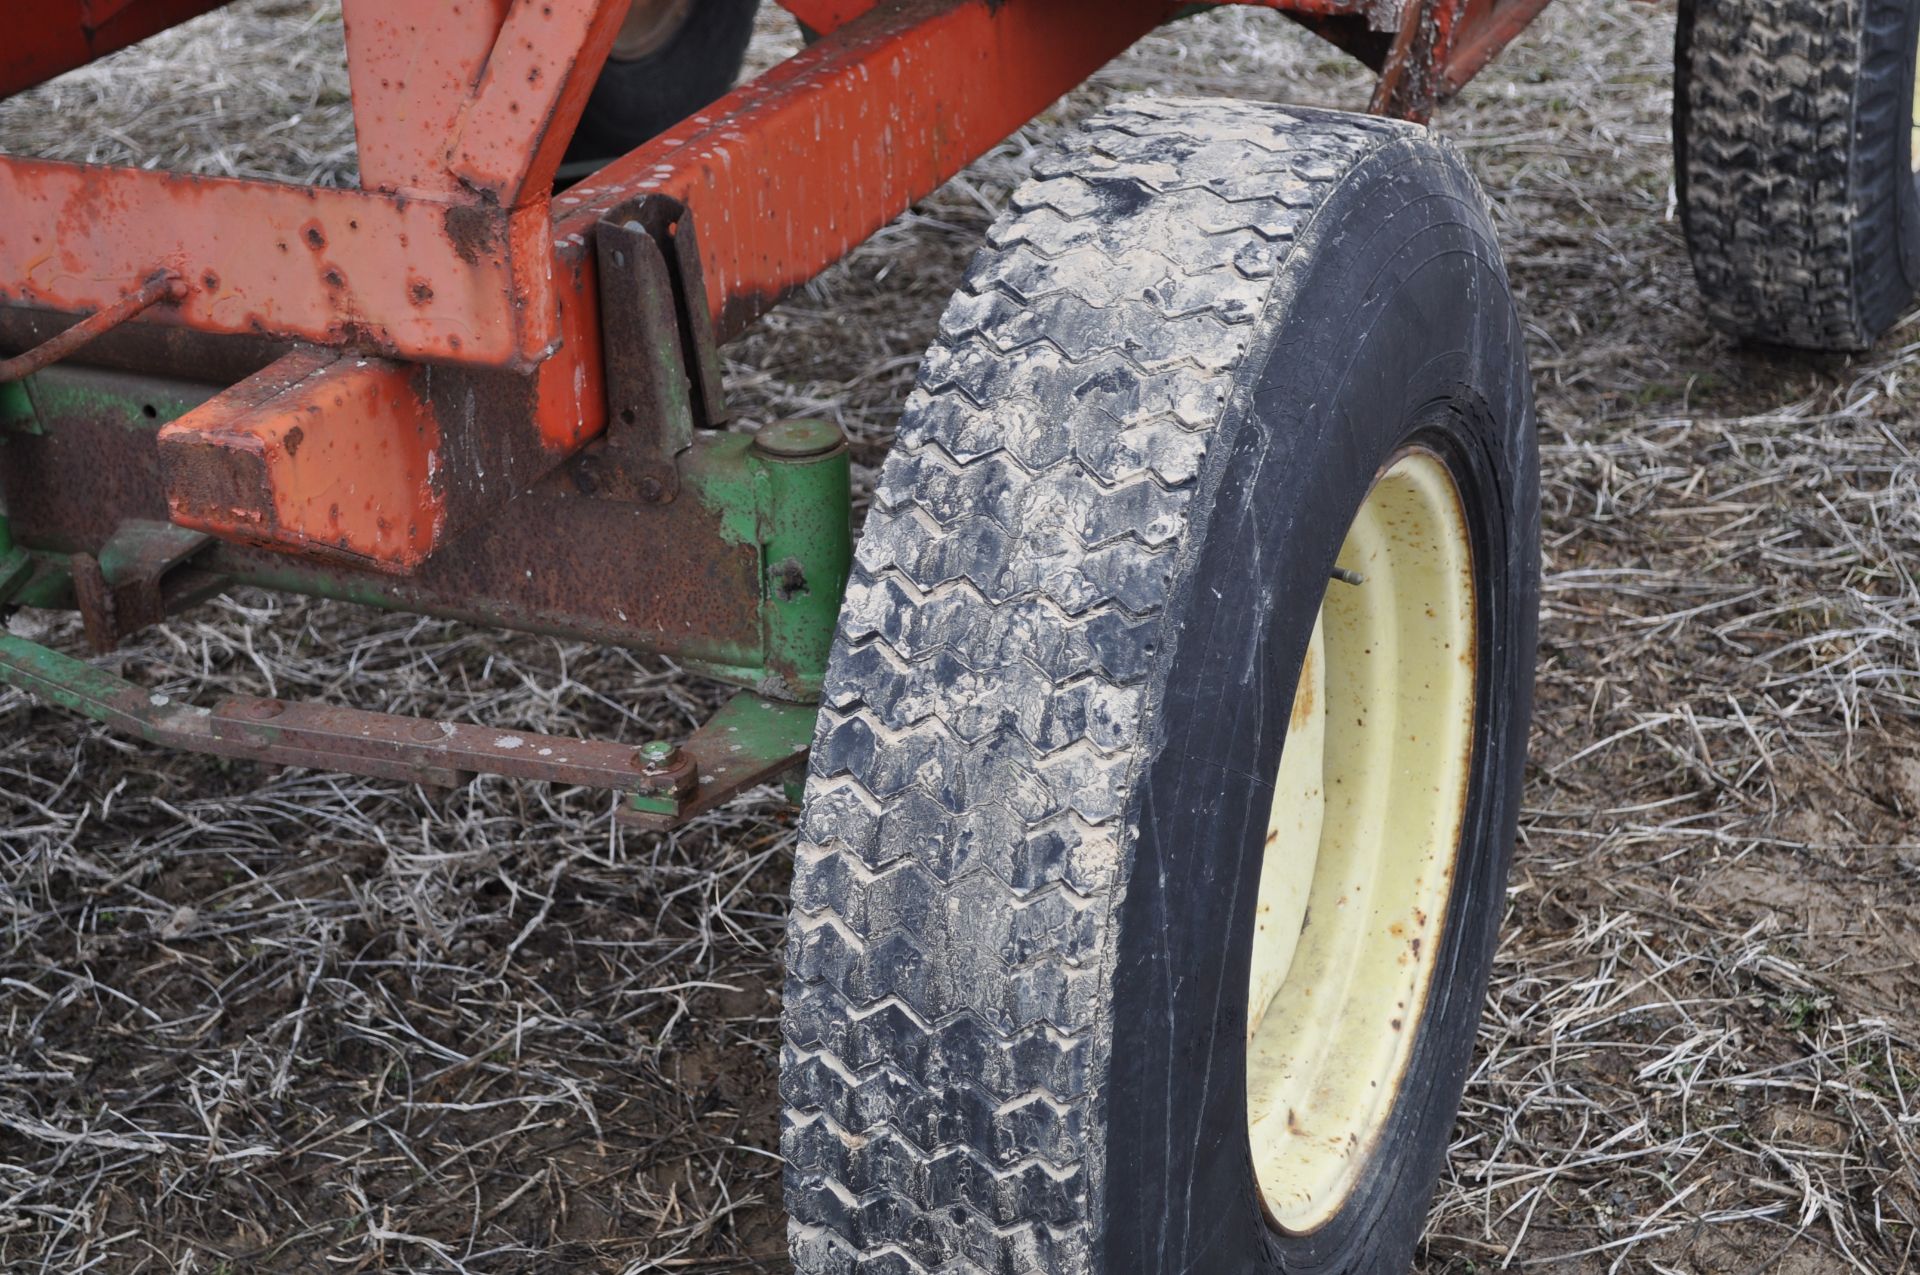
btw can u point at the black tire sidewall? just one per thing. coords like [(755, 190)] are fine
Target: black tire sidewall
[(1682, 108), (1886, 237), (1907, 197), (637, 99), (1400, 328)]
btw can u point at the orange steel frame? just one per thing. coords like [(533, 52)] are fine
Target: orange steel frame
[(446, 310)]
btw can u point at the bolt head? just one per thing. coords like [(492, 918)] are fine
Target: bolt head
[(265, 710)]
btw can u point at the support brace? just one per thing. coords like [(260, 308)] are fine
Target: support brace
[(662, 362), (749, 741)]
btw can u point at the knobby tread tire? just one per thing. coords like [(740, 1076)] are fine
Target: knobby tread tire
[(959, 868), (1792, 158)]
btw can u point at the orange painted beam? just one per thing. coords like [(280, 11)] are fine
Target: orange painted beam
[(477, 96), (412, 65), (463, 109), (328, 455), (826, 16), (45, 38), (420, 279), (787, 173), (1486, 27), (515, 128)]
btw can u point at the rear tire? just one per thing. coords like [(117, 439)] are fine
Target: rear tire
[(1794, 128), (642, 97), (1043, 794)]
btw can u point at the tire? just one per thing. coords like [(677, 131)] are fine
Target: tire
[(1793, 145), (1030, 885), (643, 97)]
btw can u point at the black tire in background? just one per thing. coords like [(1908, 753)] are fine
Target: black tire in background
[(1793, 150), (1016, 1024), (639, 98)]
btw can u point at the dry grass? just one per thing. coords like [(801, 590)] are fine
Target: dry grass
[(294, 1022)]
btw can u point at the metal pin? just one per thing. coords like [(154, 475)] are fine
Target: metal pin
[(1345, 576)]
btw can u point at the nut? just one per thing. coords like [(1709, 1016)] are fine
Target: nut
[(658, 757), (667, 767)]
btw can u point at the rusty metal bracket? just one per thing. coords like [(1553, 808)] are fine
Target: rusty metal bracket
[(749, 741), (662, 361), (139, 575)]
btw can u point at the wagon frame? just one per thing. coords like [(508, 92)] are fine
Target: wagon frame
[(455, 392)]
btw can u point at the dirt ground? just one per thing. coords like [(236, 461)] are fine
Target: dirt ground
[(285, 1021)]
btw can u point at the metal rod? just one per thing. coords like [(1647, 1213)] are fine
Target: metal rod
[(750, 740), (163, 285)]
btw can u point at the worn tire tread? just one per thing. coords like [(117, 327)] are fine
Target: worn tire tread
[(1785, 114), (957, 878)]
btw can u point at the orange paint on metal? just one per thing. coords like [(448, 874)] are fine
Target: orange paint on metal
[(319, 454), (413, 64), (789, 172), (1486, 27), (48, 37), (515, 128), (462, 265), (1302, 6), (825, 16), (409, 277), (570, 389)]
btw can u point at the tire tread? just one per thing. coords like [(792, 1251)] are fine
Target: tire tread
[(959, 861), (1791, 203)]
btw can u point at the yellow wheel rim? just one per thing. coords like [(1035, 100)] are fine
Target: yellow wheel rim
[(1361, 845), (1913, 147)]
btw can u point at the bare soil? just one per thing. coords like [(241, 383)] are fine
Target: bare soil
[(291, 1022)]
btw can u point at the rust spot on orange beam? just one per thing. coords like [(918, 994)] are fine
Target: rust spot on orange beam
[(293, 262), (512, 132), (328, 456), (412, 64)]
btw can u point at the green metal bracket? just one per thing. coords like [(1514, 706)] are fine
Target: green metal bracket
[(749, 741), (16, 408), (739, 577), (16, 565), (804, 489)]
